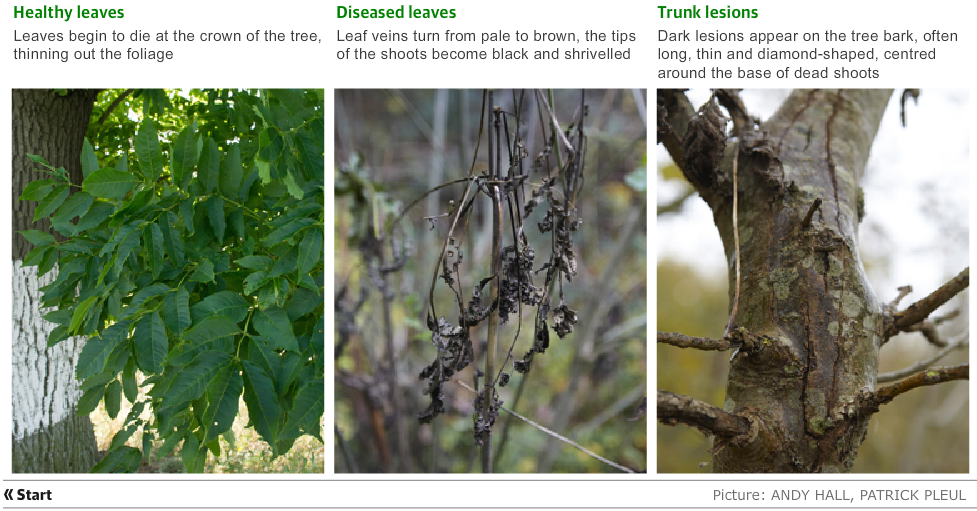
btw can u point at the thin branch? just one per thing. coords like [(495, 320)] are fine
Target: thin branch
[(956, 344), (676, 204), (902, 321), (112, 106), (557, 435), (674, 409), (736, 242), (674, 112), (730, 100), (869, 402), (699, 343)]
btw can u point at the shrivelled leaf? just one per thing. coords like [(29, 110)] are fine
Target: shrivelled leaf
[(151, 343), (223, 395), (148, 150), (223, 303), (89, 163), (273, 324), (109, 183), (263, 407)]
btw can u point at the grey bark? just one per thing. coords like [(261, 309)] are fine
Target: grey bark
[(805, 301), (48, 436)]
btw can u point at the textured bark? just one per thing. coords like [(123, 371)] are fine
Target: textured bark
[(47, 434), (803, 293), (52, 126)]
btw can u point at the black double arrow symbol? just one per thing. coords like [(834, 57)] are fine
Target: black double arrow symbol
[(27, 494)]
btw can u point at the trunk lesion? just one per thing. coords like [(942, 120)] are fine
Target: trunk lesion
[(803, 285)]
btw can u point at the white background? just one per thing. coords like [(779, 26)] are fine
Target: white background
[(314, 65)]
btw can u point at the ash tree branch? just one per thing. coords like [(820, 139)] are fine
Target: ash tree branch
[(699, 343), (730, 100), (955, 344), (115, 103), (869, 402), (674, 409), (903, 321), (674, 113)]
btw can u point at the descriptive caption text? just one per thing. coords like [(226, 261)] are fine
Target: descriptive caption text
[(136, 45), (762, 55), (499, 45)]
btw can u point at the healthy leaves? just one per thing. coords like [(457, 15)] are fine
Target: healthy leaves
[(160, 284), (109, 183)]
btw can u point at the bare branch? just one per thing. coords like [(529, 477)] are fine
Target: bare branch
[(674, 112), (869, 402), (730, 100), (555, 435), (674, 409), (903, 321), (115, 103), (676, 204), (955, 344), (699, 343)]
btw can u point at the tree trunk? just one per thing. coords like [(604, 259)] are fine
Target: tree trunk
[(810, 320), (48, 436)]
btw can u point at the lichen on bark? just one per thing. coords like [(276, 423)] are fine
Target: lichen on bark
[(802, 286)]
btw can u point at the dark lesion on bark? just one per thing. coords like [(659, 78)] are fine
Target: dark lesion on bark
[(800, 390)]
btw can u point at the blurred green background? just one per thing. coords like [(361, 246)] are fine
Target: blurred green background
[(392, 146)]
